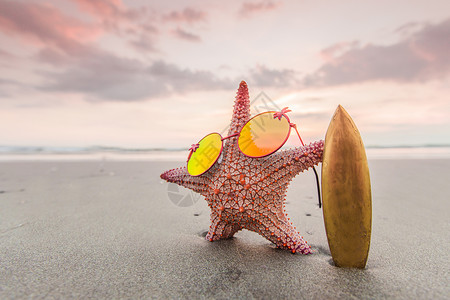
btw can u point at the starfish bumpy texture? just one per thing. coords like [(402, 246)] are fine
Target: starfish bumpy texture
[(249, 193)]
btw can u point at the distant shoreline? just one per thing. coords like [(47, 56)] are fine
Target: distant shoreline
[(13, 153), (7, 149)]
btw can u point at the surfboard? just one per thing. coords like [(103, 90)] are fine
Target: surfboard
[(346, 192)]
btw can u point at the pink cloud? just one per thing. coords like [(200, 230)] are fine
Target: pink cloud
[(143, 43), (329, 53), (112, 11), (420, 56), (45, 24), (188, 15), (101, 8), (125, 79), (6, 54), (135, 23), (182, 34), (249, 8)]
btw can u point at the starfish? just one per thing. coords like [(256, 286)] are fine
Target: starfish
[(249, 193)]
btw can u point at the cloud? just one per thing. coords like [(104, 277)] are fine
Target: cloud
[(143, 37), (105, 76), (109, 77), (113, 13), (7, 85), (250, 8), (143, 43), (420, 56), (408, 29), (4, 81), (139, 23), (328, 54), (82, 67), (5, 54), (45, 24), (188, 15), (263, 76), (184, 35), (102, 8)]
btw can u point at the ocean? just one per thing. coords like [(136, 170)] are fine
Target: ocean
[(21, 153)]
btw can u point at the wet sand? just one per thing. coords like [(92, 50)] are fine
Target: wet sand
[(108, 229)]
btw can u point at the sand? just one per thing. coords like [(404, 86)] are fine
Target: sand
[(108, 229)]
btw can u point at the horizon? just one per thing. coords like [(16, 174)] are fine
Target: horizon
[(102, 154), (93, 148)]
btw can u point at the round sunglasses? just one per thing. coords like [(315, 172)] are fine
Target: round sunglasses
[(262, 135)]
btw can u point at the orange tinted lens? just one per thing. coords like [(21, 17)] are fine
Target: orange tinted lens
[(263, 135), (206, 154)]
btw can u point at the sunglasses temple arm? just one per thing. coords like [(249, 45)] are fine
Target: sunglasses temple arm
[(318, 186), (298, 134), (314, 169)]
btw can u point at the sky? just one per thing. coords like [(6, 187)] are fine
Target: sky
[(162, 74)]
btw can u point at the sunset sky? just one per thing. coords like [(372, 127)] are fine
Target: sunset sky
[(165, 73)]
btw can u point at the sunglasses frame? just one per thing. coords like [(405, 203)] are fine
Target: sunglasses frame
[(274, 116), (279, 115), (195, 146)]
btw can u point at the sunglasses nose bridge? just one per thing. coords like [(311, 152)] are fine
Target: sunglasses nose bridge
[(230, 136)]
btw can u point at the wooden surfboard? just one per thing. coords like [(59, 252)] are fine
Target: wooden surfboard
[(347, 199)]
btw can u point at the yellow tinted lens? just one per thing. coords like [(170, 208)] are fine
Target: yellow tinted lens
[(263, 135), (206, 154)]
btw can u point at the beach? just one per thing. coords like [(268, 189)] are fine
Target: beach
[(104, 228)]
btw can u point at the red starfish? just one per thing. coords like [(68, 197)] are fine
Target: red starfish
[(245, 192)]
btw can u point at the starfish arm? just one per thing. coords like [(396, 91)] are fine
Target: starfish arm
[(241, 111), (241, 114), (282, 234), (220, 229), (273, 224), (293, 161), (181, 177)]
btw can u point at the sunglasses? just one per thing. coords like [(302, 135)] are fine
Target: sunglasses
[(261, 136)]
